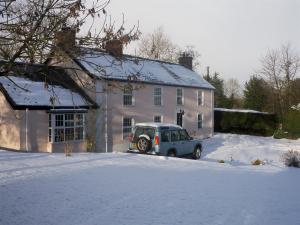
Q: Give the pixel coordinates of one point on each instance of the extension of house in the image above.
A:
(107, 92)
(42, 110)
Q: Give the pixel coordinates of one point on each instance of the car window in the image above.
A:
(175, 135)
(183, 135)
(137, 133)
(165, 136)
(150, 132)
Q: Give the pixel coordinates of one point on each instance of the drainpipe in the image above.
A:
(106, 120)
(26, 129)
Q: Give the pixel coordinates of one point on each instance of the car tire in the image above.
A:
(143, 144)
(197, 153)
(171, 153)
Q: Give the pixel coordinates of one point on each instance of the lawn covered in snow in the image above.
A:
(124, 188)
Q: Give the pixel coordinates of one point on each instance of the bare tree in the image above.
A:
(158, 45)
(280, 67)
(28, 27)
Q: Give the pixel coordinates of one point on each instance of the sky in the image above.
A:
(231, 35)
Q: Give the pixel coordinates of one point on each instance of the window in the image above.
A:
(66, 127)
(157, 119)
(175, 135)
(165, 136)
(128, 96)
(157, 96)
(184, 135)
(179, 96)
(200, 97)
(127, 127)
(200, 120)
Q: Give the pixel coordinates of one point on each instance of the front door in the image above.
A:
(179, 119)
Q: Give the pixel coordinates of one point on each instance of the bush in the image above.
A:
(291, 124)
(221, 161)
(245, 123)
(279, 134)
(291, 158)
(257, 162)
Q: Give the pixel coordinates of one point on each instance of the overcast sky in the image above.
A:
(231, 35)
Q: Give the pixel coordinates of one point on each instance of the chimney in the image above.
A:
(65, 38)
(114, 47)
(186, 60)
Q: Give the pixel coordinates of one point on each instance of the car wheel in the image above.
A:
(143, 144)
(171, 153)
(197, 153)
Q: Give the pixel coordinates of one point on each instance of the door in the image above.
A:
(179, 119)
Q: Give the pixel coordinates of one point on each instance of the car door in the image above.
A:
(185, 142)
(175, 142)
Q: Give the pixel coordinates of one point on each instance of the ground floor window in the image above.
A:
(66, 127)
(200, 120)
(157, 119)
(127, 127)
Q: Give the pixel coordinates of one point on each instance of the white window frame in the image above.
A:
(155, 95)
(202, 97)
(53, 127)
(132, 125)
(182, 96)
(130, 95)
(161, 118)
(199, 121)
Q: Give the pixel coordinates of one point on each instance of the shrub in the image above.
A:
(279, 134)
(245, 123)
(221, 161)
(291, 158)
(257, 162)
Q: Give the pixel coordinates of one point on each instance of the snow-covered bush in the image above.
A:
(291, 158)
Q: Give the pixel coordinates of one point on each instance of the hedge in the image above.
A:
(261, 124)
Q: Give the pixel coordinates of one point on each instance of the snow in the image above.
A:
(34, 93)
(106, 66)
(134, 189)
(239, 110)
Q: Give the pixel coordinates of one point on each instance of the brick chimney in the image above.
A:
(186, 60)
(114, 47)
(65, 38)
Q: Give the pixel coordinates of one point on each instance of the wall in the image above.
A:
(9, 125)
(144, 111)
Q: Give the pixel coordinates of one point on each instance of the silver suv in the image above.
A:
(164, 139)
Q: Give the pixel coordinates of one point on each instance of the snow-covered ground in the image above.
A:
(124, 188)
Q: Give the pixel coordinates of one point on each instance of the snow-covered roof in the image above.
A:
(153, 124)
(239, 110)
(26, 92)
(106, 66)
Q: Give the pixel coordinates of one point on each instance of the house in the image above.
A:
(131, 89)
(42, 110)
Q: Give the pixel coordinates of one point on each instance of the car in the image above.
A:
(164, 139)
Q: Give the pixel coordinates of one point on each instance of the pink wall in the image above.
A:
(144, 111)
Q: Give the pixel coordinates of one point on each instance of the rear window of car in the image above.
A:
(150, 131)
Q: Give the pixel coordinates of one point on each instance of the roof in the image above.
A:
(34, 93)
(36, 86)
(240, 110)
(105, 66)
(152, 124)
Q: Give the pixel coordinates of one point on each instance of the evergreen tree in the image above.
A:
(218, 83)
(255, 94)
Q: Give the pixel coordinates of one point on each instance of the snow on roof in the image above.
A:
(34, 93)
(153, 124)
(104, 65)
(240, 110)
